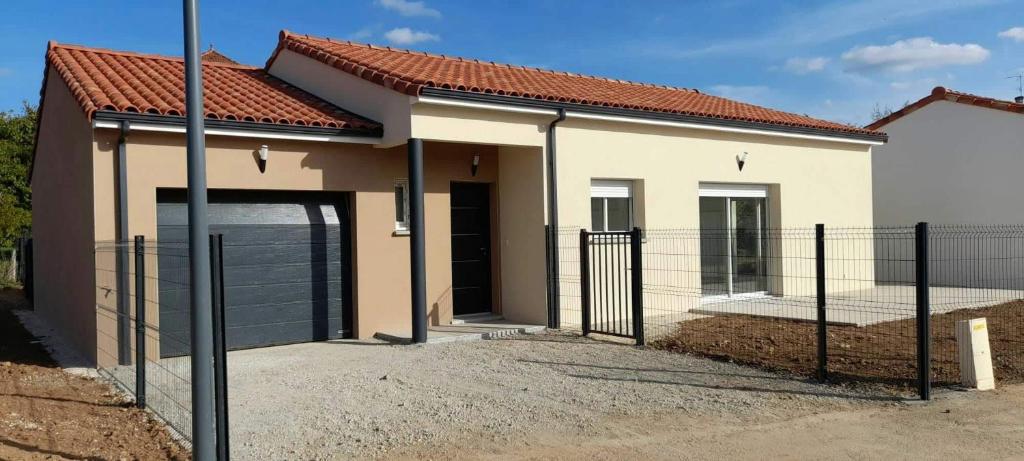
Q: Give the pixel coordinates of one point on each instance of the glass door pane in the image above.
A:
(715, 273)
(749, 245)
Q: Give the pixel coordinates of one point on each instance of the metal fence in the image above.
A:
(836, 303)
(136, 282)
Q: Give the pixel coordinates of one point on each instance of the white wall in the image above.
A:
(950, 163)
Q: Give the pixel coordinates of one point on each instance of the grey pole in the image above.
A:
(417, 243)
(203, 437)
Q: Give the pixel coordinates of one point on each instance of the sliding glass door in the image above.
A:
(733, 245)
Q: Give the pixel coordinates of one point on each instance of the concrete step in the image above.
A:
(476, 318)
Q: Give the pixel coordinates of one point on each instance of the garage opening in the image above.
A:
(287, 267)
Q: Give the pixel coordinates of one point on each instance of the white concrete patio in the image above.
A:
(882, 303)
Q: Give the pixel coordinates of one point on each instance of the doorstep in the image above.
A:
(465, 331)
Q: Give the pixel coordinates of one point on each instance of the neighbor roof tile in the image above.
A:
(106, 80)
(409, 72)
(943, 94)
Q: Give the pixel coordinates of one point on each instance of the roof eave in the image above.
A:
(176, 121)
(877, 137)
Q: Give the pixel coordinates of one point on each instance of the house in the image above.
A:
(954, 158)
(360, 141)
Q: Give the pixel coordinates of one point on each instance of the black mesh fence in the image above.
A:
(167, 379)
(797, 298)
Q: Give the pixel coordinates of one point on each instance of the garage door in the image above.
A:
(286, 267)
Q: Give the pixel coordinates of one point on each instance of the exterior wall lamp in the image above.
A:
(476, 165)
(264, 152)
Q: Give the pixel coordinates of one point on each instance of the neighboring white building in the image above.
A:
(952, 158)
(955, 159)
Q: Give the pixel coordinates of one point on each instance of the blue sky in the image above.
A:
(834, 60)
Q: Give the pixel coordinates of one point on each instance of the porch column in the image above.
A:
(417, 243)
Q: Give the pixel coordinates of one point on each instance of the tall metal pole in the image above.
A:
(417, 242)
(203, 437)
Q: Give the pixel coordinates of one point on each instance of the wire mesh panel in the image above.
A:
(977, 272)
(742, 294)
(167, 380)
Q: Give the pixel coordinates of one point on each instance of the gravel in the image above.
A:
(341, 400)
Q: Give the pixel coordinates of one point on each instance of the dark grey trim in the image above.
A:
(554, 308)
(123, 322)
(642, 114)
(417, 242)
(178, 121)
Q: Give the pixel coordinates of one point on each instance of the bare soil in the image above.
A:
(883, 352)
(46, 413)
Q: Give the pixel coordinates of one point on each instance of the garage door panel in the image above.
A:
(286, 268)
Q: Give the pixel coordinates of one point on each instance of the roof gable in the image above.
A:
(117, 81)
(410, 72)
(942, 94)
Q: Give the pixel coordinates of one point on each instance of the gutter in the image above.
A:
(554, 308)
(617, 114)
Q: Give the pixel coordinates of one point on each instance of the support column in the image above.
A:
(417, 242)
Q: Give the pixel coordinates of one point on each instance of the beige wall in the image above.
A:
(381, 258)
(521, 206)
(62, 218)
(348, 91)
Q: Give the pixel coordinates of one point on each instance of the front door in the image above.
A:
(471, 248)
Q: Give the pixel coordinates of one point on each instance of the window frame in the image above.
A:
(630, 208)
(402, 226)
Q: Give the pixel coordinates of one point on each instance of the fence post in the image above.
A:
(220, 364)
(924, 382)
(636, 259)
(585, 282)
(819, 274)
(140, 321)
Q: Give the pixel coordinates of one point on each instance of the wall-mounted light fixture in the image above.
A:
(264, 153)
(741, 160)
(476, 165)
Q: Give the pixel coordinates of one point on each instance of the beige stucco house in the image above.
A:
(324, 240)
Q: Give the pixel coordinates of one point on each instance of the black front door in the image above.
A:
(471, 248)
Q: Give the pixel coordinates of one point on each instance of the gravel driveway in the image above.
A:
(342, 400)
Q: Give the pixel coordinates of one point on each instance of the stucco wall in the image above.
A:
(954, 164)
(62, 218)
(950, 163)
(348, 91)
(521, 205)
(381, 258)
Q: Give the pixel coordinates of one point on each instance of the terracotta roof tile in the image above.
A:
(106, 80)
(942, 94)
(212, 55)
(411, 71)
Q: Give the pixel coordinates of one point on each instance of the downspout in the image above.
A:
(554, 308)
(124, 347)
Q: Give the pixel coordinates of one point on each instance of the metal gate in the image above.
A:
(611, 277)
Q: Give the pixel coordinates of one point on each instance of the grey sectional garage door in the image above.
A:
(286, 267)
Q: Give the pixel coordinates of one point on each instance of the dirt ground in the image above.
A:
(955, 425)
(880, 352)
(46, 413)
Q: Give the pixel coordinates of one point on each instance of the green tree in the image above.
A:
(17, 138)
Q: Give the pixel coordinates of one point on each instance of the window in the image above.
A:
(611, 205)
(402, 206)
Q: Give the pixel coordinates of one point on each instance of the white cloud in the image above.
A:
(912, 54)
(801, 66)
(918, 86)
(1014, 33)
(361, 34)
(407, 36)
(407, 8)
